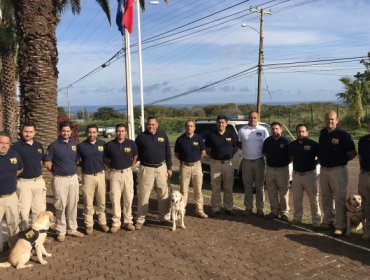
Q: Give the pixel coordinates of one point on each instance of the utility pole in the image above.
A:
(68, 103)
(260, 56)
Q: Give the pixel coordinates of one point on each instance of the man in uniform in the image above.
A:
(10, 167)
(304, 151)
(275, 149)
(61, 159)
(364, 180)
(121, 156)
(189, 149)
(221, 145)
(91, 155)
(336, 149)
(31, 188)
(251, 138)
(155, 168)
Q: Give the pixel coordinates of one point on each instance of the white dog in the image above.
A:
(355, 215)
(31, 238)
(177, 209)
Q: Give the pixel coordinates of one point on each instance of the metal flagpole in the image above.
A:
(130, 108)
(140, 65)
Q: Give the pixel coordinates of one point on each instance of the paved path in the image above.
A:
(222, 248)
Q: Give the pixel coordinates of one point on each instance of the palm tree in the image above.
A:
(354, 95)
(8, 43)
(38, 58)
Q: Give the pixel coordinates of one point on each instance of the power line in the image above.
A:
(201, 88)
(244, 72)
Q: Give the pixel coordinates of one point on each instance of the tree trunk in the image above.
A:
(8, 90)
(38, 57)
(1, 106)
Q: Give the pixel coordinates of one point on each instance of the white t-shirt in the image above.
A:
(252, 141)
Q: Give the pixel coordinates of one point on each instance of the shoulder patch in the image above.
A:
(73, 148)
(13, 160)
(160, 139)
(100, 148)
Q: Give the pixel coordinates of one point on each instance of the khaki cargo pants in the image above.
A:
(32, 197)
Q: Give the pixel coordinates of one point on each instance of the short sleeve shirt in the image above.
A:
(276, 151)
(154, 148)
(64, 156)
(120, 155)
(189, 148)
(364, 152)
(91, 156)
(32, 156)
(304, 154)
(252, 139)
(334, 146)
(9, 165)
(221, 145)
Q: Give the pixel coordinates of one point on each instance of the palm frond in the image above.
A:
(104, 4)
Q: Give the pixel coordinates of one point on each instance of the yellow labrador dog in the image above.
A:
(355, 215)
(28, 239)
(177, 209)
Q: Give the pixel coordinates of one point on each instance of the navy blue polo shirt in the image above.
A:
(189, 149)
(63, 156)
(221, 146)
(154, 148)
(364, 152)
(9, 165)
(276, 151)
(32, 156)
(91, 156)
(304, 154)
(120, 155)
(333, 147)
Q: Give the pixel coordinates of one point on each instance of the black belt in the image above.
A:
(223, 161)
(303, 173)
(32, 179)
(5, 195)
(154, 165)
(95, 174)
(189, 163)
(253, 160)
(120, 170)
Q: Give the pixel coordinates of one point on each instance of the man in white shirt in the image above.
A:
(251, 138)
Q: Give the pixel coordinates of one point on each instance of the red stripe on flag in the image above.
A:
(128, 15)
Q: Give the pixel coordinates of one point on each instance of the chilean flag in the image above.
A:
(125, 14)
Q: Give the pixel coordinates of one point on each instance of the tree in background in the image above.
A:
(8, 77)
(37, 60)
(356, 92)
(107, 113)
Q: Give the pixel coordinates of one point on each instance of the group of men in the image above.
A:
(23, 190)
(265, 162)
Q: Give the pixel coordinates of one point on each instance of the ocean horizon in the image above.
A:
(122, 108)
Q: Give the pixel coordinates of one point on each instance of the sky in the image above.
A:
(197, 52)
